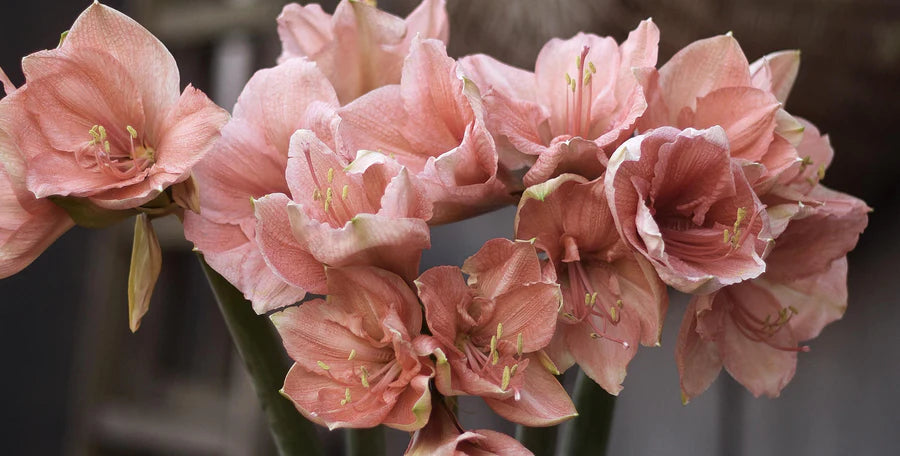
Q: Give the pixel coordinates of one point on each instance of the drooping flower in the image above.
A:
(363, 213)
(27, 225)
(612, 298)
(360, 47)
(443, 436)
(486, 333)
(355, 365)
(436, 130)
(249, 161)
(101, 127)
(754, 328)
(710, 82)
(678, 198)
(580, 103)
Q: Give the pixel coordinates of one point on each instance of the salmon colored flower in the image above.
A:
(359, 48)
(249, 161)
(485, 333)
(580, 103)
(754, 328)
(710, 83)
(27, 225)
(436, 131)
(355, 365)
(105, 122)
(678, 199)
(340, 214)
(443, 436)
(612, 298)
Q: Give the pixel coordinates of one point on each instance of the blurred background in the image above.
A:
(75, 381)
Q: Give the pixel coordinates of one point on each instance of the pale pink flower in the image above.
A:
(339, 214)
(432, 123)
(612, 297)
(360, 47)
(678, 199)
(27, 225)
(754, 328)
(355, 363)
(105, 121)
(443, 436)
(710, 82)
(485, 333)
(249, 161)
(580, 103)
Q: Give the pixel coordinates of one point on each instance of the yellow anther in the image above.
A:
(568, 80)
(572, 85)
(578, 61)
(805, 161)
(569, 316)
(323, 365)
(345, 192)
(520, 344)
(329, 195)
(106, 146)
(593, 298)
(131, 131)
(317, 195)
(512, 372)
(330, 175)
(793, 310)
(741, 213)
(619, 303)
(592, 67)
(821, 173)
(505, 381)
(95, 135)
(727, 236)
(364, 376)
(587, 299)
(614, 314)
(102, 132)
(346, 400)
(499, 330)
(595, 336)
(587, 78)
(495, 357)
(352, 354)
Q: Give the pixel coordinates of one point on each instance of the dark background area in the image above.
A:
(65, 346)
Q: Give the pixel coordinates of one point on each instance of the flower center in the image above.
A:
(579, 95)
(486, 360)
(113, 155)
(763, 329)
(699, 244)
(334, 202)
(581, 306)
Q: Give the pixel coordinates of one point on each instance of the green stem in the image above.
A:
(364, 442)
(263, 355)
(540, 440)
(589, 432)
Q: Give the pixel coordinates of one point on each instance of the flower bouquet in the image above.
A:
(311, 204)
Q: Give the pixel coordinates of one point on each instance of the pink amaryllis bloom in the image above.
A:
(360, 47)
(580, 103)
(105, 122)
(710, 82)
(366, 212)
(443, 436)
(249, 161)
(612, 297)
(355, 365)
(485, 333)
(678, 198)
(436, 131)
(754, 328)
(27, 225)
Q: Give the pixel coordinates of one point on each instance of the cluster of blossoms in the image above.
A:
(334, 163)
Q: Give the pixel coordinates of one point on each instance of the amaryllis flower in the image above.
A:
(580, 103)
(443, 436)
(710, 82)
(436, 130)
(249, 161)
(754, 328)
(27, 225)
(678, 199)
(612, 297)
(339, 214)
(485, 333)
(105, 122)
(359, 48)
(355, 363)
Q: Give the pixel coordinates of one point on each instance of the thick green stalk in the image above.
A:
(589, 432)
(364, 442)
(540, 440)
(263, 356)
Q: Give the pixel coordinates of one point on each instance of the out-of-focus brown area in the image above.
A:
(75, 381)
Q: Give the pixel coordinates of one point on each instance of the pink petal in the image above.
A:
(8, 86)
(494, 76)
(700, 68)
(746, 114)
(501, 265)
(304, 30)
(529, 310)
(362, 126)
(443, 293)
(428, 20)
(697, 358)
(776, 73)
(369, 292)
(542, 402)
(639, 50)
(413, 407)
(282, 252)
